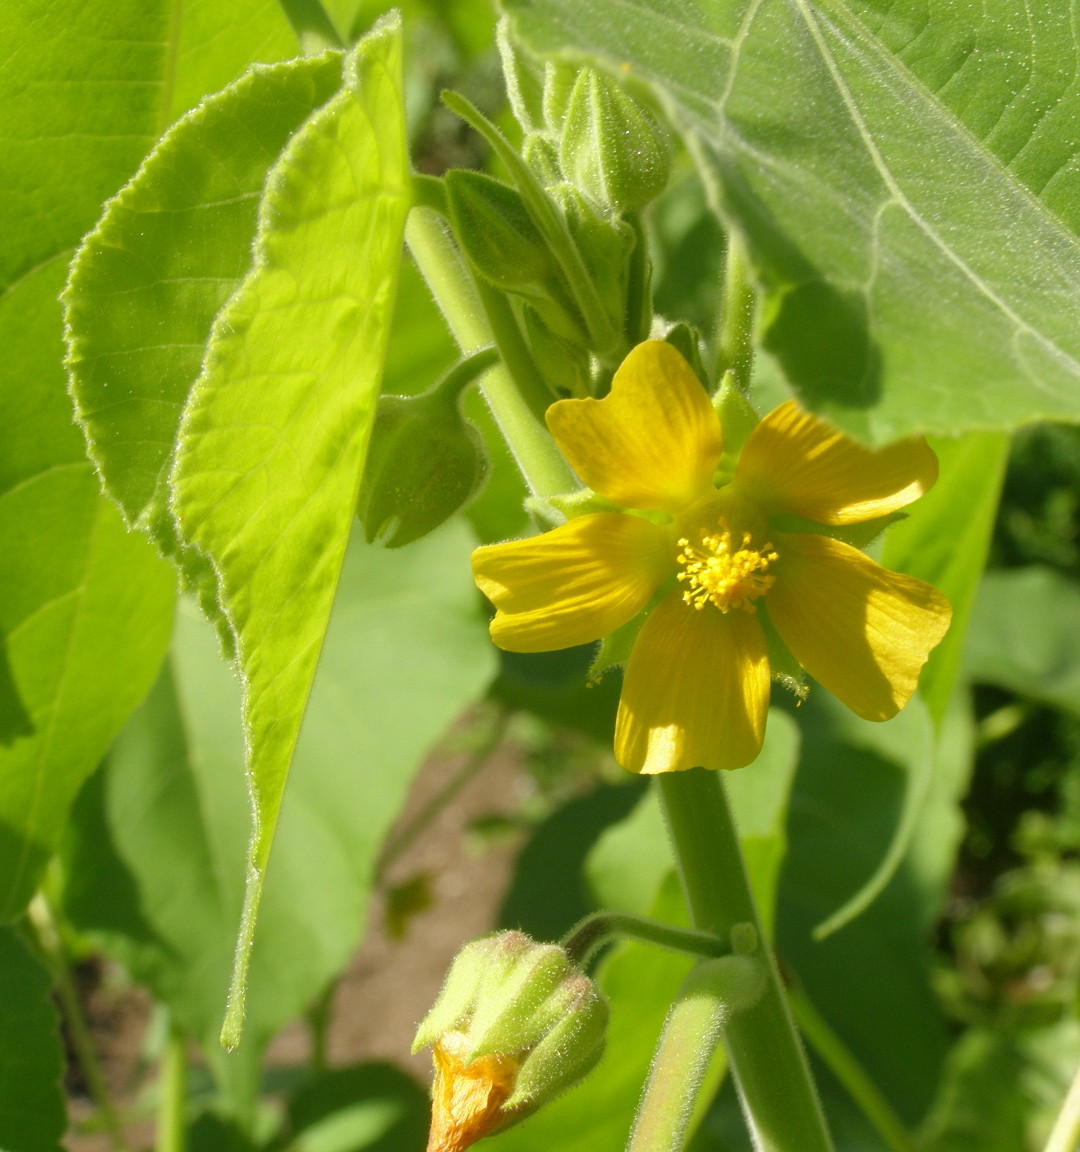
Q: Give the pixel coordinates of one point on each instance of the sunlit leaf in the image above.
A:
(1025, 636)
(32, 1111)
(903, 176)
(272, 441)
(168, 253)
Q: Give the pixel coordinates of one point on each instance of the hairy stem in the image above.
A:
(771, 1072)
(52, 950)
(583, 940)
(172, 1094)
(735, 346)
(713, 992)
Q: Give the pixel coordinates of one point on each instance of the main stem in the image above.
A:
(767, 1059)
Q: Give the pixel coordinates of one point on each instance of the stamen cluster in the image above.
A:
(727, 578)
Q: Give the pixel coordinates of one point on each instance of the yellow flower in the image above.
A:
(716, 562)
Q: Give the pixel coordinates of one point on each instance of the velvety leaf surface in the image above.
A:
(404, 655)
(272, 441)
(33, 1115)
(168, 253)
(903, 175)
(1025, 636)
(85, 607)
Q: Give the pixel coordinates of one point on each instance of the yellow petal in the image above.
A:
(653, 442)
(794, 462)
(574, 584)
(860, 630)
(467, 1099)
(696, 691)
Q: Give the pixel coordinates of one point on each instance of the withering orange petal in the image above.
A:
(860, 630)
(696, 690)
(466, 1099)
(573, 584)
(653, 442)
(794, 462)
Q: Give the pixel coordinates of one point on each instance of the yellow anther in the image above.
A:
(729, 577)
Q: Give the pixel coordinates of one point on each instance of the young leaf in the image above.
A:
(908, 201)
(32, 1112)
(272, 441)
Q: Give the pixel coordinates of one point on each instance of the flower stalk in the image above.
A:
(766, 1056)
(589, 935)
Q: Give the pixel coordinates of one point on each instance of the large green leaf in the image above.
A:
(404, 655)
(272, 440)
(168, 253)
(903, 176)
(85, 609)
(32, 1111)
(1025, 636)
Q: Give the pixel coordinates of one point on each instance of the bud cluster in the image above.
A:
(516, 1023)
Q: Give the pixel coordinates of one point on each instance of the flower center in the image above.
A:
(729, 576)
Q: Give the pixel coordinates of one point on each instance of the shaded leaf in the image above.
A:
(902, 175)
(1025, 636)
(86, 608)
(403, 656)
(272, 441)
(33, 1115)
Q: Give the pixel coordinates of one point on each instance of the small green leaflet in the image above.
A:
(902, 175)
(272, 441)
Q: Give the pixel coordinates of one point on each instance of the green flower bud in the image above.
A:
(611, 148)
(515, 1024)
(559, 79)
(494, 227)
(564, 365)
(424, 462)
(605, 243)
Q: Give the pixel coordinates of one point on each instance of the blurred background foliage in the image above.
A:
(956, 991)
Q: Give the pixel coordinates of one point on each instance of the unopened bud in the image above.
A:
(424, 462)
(515, 1024)
(495, 229)
(611, 148)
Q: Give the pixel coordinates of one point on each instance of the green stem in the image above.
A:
(52, 949)
(313, 27)
(735, 346)
(1066, 1134)
(583, 940)
(832, 1050)
(318, 1016)
(514, 351)
(711, 995)
(545, 471)
(172, 1094)
(771, 1072)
